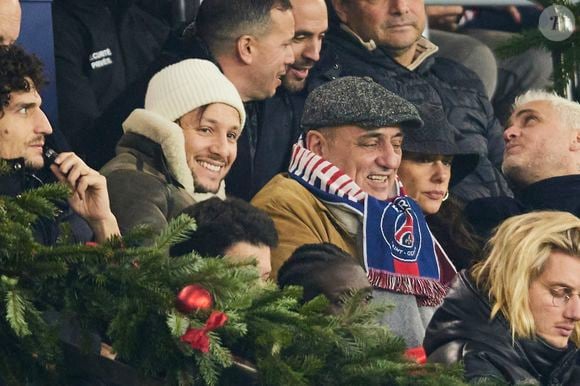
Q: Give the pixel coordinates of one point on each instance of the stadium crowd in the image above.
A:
(334, 143)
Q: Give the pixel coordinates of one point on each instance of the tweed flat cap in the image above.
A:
(357, 101)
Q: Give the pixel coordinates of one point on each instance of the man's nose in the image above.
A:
(42, 124)
(219, 146)
(572, 311)
(312, 50)
(289, 58)
(399, 6)
(510, 133)
(389, 158)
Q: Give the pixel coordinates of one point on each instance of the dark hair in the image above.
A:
(221, 22)
(15, 66)
(309, 257)
(455, 234)
(222, 223)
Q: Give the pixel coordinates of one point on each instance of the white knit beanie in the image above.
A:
(183, 87)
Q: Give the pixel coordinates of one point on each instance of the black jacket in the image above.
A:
(556, 193)
(101, 47)
(272, 127)
(436, 82)
(460, 330)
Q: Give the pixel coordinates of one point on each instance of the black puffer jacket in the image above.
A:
(460, 330)
(437, 82)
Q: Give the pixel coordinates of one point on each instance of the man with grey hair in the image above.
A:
(342, 188)
(383, 39)
(541, 161)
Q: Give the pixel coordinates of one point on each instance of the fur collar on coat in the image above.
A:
(169, 136)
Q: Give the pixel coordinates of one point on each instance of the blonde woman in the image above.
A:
(515, 317)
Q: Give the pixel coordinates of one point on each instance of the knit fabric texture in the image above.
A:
(357, 101)
(184, 86)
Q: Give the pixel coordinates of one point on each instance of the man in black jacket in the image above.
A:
(273, 125)
(23, 128)
(101, 48)
(541, 161)
(382, 39)
(514, 318)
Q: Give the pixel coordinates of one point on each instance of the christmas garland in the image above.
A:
(174, 320)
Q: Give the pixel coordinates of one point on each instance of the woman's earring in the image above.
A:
(446, 196)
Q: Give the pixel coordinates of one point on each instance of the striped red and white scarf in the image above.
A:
(400, 253)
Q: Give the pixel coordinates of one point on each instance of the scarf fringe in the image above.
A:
(428, 292)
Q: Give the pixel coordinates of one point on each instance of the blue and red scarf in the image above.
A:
(400, 253)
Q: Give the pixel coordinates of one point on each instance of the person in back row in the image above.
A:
(382, 39)
(10, 14)
(273, 124)
(177, 150)
(541, 161)
(100, 48)
(342, 188)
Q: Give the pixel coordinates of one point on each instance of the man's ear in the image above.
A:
(340, 10)
(246, 48)
(575, 145)
(316, 142)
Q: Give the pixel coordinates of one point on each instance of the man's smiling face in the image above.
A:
(311, 23)
(211, 144)
(369, 156)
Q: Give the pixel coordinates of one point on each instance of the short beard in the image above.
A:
(293, 87)
(199, 188)
(33, 165)
(517, 177)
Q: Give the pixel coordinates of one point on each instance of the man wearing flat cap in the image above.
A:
(342, 188)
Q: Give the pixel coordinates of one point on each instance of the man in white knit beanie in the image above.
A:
(178, 149)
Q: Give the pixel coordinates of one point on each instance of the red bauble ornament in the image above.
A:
(193, 298)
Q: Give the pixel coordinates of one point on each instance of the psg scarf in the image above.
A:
(400, 253)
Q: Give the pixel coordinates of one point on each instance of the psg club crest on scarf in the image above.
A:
(405, 234)
(406, 246)
(400, 253)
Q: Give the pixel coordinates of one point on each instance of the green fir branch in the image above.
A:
(15, 311)
(178, 230)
